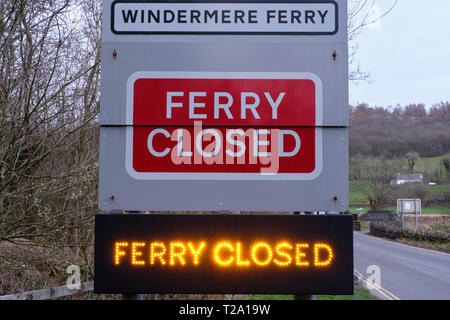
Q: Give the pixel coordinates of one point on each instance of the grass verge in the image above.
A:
(443, 247)
(360, 294)
(425, 210)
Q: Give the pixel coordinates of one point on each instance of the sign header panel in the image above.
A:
(228, 17)
(221, 254)
(225, 98)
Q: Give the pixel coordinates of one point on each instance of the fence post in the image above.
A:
(403, 215)
(415, 211)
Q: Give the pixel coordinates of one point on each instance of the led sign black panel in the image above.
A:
(187, 253)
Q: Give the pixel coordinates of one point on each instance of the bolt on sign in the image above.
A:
(224, 105)
(220, 254)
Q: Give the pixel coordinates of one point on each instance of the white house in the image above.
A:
(409, 178)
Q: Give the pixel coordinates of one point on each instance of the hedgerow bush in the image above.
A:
(391, 231)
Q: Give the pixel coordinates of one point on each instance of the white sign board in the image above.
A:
(278, 18)
(409, 206)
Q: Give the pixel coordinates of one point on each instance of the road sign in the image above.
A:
(221, 254)
(247, 115)
(291, 17)
(308, 18)
(409, 206)
(242, 107)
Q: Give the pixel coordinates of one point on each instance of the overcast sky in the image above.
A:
(407, 55)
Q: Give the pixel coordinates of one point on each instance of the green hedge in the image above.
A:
(390, 231)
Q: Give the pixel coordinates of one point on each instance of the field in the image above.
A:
(359, 204)
(357, 201)
(429, 164)
(430, 210)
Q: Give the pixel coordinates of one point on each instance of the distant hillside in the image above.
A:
(393, 132)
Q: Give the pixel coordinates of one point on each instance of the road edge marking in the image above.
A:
(402, 244)
(370, 286)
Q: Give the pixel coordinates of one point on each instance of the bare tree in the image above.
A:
(412, 158)
(446, 163)
(360, 16)
(49, 89)
(378, 175)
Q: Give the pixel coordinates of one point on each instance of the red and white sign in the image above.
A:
(224, 126)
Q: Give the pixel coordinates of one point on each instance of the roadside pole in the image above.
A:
(403, 215)
(415, 212)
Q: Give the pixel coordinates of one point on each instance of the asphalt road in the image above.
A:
(406, 272)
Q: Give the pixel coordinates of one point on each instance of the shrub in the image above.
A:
(411, 191)
(421, 191)
(396, 232)
(428, 202)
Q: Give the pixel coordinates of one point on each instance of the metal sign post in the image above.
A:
(403, 216)
(415, 213)
(409, 206)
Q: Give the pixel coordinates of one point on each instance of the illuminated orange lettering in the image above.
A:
(225, 253)
(135, 253)
(286, 256)
(299, 254)
(157, 250)
(197, 252)
(117, 252)
(269, 254)
(317, 261)
(239, 260)
(217, 256)
(177, 250)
